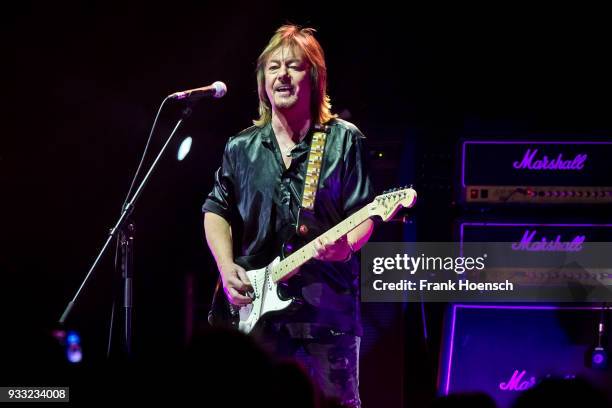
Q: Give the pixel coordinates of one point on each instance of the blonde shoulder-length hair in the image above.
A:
(304, 40)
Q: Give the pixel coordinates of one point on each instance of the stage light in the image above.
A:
(599, 358)
(184, 148)
(73, 347)
(74, 354)
(73, 337)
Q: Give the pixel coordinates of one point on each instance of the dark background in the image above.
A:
(84, 84)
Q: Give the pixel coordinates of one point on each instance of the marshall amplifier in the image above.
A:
(503, 350)
(536, 172)
(529, 236)
(538, 252)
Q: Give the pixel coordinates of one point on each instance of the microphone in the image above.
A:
(216, 90)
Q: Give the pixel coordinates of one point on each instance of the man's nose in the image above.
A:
(284, 72)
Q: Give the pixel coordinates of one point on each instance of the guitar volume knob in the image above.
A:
(303, 230)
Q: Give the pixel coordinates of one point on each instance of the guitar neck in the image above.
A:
(288, 266)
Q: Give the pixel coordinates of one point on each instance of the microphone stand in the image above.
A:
(126, 240)
(126, 234)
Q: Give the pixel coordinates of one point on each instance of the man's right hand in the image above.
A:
(235, 284)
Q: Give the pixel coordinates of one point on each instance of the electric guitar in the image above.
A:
(266, 281)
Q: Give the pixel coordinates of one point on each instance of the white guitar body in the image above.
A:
(265, 298)
(265, 280)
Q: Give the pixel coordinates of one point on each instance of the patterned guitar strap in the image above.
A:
(313, 171)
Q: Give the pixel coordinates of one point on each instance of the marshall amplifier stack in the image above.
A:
(535, 172)
(538, 196)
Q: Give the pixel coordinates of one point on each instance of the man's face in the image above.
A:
(287, 79)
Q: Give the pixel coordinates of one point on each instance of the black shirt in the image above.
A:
(259, 197)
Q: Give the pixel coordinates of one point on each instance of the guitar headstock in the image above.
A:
(390, 202)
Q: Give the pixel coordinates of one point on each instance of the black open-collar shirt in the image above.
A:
(259, 196)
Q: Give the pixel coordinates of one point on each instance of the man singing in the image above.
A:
(257, 194)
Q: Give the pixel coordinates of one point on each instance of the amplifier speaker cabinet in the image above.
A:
(502, 350)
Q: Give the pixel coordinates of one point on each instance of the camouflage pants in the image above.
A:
(332, 361)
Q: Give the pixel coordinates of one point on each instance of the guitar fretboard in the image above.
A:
(288, 266)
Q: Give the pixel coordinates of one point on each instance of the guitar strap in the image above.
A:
(313, 172)
(219, 313)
